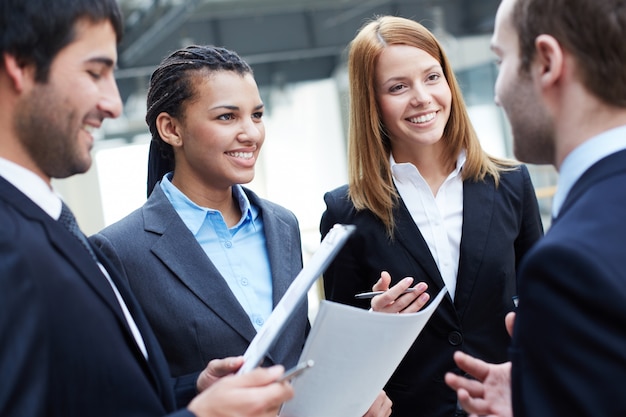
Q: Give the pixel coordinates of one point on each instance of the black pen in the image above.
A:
(373, 294)
(296, 370)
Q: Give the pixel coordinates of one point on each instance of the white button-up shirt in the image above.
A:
(438, 217)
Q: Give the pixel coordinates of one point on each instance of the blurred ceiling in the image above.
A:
(285, 41)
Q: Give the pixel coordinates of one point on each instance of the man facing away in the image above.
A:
(73, 340)
(562, 85)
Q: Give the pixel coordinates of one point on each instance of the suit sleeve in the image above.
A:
(569, 342)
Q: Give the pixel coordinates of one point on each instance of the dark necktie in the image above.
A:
(68, 220)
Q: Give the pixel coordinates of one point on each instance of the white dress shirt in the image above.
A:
(438, 217)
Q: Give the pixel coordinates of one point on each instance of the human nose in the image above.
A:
(252, 130)
(111, 101)
(420, 95)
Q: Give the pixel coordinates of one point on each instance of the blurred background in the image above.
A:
(297, 49)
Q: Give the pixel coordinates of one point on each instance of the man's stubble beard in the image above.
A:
(48, 130)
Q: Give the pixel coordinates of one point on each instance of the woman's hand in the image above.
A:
(395, 299)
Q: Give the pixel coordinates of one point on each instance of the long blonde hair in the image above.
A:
(370, 180)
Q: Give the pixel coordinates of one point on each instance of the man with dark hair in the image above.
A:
(74, 341)
(563, 86)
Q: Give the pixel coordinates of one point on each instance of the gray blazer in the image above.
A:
(192, 310)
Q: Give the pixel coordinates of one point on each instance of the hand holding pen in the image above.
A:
(401, 298)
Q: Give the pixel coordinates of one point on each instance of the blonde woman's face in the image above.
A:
(413, 96)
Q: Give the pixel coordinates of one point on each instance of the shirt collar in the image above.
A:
(32, 186)
(194, 215)
(402, 171)
(582, 158)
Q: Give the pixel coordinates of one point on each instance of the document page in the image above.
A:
(297, 291)
(355, 352)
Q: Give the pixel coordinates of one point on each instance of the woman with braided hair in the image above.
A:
(207, 258)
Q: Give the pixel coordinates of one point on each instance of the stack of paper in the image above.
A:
(355, 353)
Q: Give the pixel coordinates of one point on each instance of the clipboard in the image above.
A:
(295, 294)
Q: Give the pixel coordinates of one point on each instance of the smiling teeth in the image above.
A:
(422, 119)
(89, 128)
(243, 155)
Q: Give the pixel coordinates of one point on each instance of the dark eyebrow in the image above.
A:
(103, 60)
(234, 108)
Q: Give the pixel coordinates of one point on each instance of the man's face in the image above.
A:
(519, 95)
(54, 121)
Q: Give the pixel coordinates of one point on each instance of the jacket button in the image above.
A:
(455, 338)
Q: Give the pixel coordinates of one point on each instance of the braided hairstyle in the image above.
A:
(171, 86)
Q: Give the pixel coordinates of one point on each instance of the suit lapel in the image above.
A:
(72, 250)
(178, 249)
(478, 201)
(66, 244)
(409, 236)
(77, 256)
(281, 244)
(605, 167)
(158, 370)
(284, 248)
(478, 207)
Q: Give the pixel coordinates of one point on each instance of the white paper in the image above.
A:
(355, 352)
(295, 294)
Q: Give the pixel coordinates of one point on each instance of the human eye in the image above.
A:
(257, 115)
(433, 77)
(226, 116)
(94, 75)
(99, 68)
(396, 88)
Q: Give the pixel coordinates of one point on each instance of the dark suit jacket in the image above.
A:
(499, 226)
(569, 342)
(66, 348)
(192, 310)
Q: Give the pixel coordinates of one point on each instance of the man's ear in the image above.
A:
(21, 75)
(549, 60)
(168, 129)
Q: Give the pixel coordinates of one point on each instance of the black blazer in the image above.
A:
(499, 226)
(66, 348)
(192, 310)
(569, 342)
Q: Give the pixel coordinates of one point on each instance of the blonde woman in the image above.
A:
(429, 204)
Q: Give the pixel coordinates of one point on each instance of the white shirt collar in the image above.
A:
(401, 174)
(32, 186)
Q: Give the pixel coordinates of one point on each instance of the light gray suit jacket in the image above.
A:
(192, 310)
